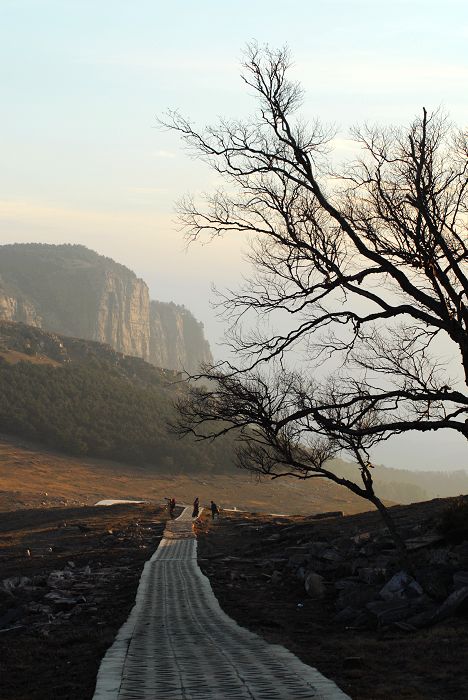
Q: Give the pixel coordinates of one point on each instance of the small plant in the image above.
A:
(454, 521)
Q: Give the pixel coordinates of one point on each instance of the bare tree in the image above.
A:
(368, 263)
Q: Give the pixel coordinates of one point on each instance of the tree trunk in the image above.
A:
(400, 545)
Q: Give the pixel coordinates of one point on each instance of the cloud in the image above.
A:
(164, 154)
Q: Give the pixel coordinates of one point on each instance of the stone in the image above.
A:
(353, 662)
(276, 577)
(300, 573)
(63, 600)
(332, 555)
(423, 541)
(361, 537)
(57, 578)
(371, 574)
(314, 585)
(460, 579)
(387, 611)
(356, 596)
(12, 583)
(401, 585)
(439, 556)
(455, 600)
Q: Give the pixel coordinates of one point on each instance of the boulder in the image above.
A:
(11, 584)
(455, 600)
(397, 609)
(388, 611)
(372, 574)
(460, 579)
(332, 555)
(276, 577)
(402, 586)
(314, 585)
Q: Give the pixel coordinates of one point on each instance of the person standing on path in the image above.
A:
(172, 505)
(214, 510)
(196, 507)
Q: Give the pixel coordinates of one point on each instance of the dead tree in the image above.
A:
(368, 263)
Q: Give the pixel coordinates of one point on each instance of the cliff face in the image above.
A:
(73, 291)
(177, 339)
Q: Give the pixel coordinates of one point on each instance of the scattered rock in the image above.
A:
(372, 575)
(387, 611)
(314, 585)
(460, 579)
(353, 662)
(14, 582)
(401, 585)
(456, 600)
(424, 541)
(361, 537)
(276, 577)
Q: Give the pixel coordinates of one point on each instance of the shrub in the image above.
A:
(454, 521)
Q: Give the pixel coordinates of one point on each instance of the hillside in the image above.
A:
(85, 398)
(71, 290)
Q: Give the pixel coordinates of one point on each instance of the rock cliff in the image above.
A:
(176, 338)
(71, 290)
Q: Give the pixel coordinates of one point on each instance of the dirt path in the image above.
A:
(179, 644)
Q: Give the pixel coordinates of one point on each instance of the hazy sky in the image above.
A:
(83, 81)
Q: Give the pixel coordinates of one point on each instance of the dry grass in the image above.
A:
(31, 476)
(14, 356)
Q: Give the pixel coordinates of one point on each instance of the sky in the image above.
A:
(83, 82)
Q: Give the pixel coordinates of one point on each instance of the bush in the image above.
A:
(454, 521)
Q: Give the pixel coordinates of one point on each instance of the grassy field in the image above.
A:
(34, 477)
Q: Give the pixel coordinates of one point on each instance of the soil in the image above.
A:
(368, 664)
(48, 525)
(103, 550)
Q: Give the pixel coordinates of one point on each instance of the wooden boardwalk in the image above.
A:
(178, 644)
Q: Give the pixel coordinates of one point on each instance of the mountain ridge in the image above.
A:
(72, 290)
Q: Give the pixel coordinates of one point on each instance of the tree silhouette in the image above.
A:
(368, 263)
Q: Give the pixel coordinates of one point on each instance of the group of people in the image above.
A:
(171, 503)
(196, 509)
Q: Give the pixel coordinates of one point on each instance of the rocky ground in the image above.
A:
(330, 589)
(68, 578)
(333, 591)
